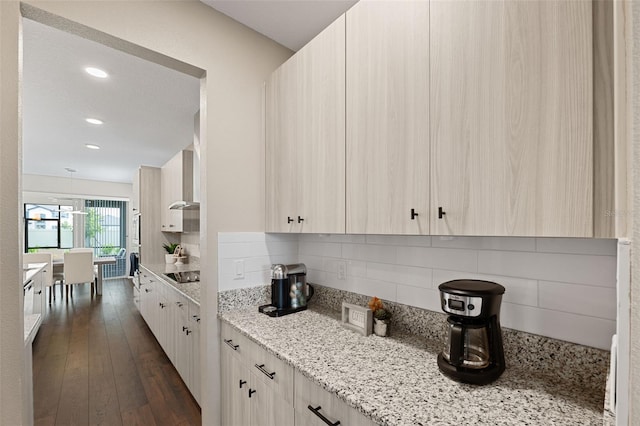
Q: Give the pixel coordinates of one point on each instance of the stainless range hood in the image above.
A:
(184, 205)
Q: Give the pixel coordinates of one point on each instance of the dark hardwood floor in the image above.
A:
(95, 362)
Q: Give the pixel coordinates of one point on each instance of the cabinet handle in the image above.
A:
(251, 392)
(188, 332)
(242, 382)
(265, 372)
(147, 290)
(300, 220)
(413, 214)
(39, 292)
(170, 226)
(180, 304)
(316, 411)
(441, 213)
(231, 345)
(197, 318)
(289, 220)
(184, 328)
(162, 305)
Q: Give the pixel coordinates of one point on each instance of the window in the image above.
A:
(105, 226)
(48, 226)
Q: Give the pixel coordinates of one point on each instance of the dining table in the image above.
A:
(58, 267)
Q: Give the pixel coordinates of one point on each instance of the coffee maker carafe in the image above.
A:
(473, 351)
(289, 290)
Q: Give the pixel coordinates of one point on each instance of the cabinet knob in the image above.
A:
(289, 219)
(413, 214)
(300, 220)
(251, 392)
(441, 213)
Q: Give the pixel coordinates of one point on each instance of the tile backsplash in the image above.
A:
(564, 288)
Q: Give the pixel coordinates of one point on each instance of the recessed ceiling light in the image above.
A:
(91, 146)
(93, 121)
(96, 72)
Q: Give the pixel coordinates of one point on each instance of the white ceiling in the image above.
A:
(292, 23)
(147, 109)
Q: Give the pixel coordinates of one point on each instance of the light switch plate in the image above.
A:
(238, 266)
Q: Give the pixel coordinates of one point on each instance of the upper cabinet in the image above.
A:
(305, 182)
(177, 185)
(511, 112)
(455, 117)
(387, 111)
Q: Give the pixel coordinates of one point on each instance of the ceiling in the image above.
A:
(147, 109)
(292, 23)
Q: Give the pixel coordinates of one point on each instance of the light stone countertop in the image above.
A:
(29, 270)
(396, 381)
(31, 326)
(190, 290)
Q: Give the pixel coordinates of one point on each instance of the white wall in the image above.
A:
(37, 188)
(558, 287)
(233, 62)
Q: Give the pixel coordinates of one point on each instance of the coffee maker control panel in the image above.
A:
(461, 305)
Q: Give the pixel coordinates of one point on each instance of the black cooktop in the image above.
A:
(184, 277)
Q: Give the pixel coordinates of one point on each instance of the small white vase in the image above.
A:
(381, 327)
(169, 258)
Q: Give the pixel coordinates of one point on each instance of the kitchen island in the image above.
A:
(396, 381)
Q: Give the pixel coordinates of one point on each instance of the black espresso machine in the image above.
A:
(473, 351)
(289, 290)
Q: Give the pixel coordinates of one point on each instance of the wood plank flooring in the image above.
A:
(95, 362)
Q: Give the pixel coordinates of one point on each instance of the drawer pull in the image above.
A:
(231, 345)
(316, 411)
(242, 382)
(251, 392)
(265, 372)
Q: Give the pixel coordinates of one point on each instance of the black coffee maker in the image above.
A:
(289, 290)
(473, 351)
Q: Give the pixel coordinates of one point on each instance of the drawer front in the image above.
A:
(275, 373)
(316, 406)
(233, 341)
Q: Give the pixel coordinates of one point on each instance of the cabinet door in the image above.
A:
(268, 408)
(387, 172)
(172, 180)
(194, 360)
(511, 118)
(148, 305)
(234, 390)
(305, 138)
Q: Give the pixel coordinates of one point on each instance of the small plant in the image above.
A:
(379, 311)
(170, 247)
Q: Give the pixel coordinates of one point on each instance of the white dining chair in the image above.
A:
(49, 280)
(78, 269)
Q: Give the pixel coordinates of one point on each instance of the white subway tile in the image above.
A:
(399, 274)
(316, 276)
(331, 280)
(356, 268)
(372, 253)
(241, 250)
(400, 240)
(241, 237)
(589, 331)
(275, 248)
(251, 264)
(569, 268)
(517, 290)
(593, 246)
(579, 299)
(424, 298)
(251, 279)
(509, 243)
(320, 249)
(333, 238)
(312, 262)
(439, 258)
(473, 243)
(381, 289)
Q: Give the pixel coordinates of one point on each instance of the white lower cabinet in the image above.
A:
(174, 320)
(258, 388)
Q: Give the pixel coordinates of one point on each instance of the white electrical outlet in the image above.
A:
(342, 270)
(239, 270)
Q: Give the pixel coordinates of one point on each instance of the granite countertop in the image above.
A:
(190, 290)
(396, 380)
(31, 326)
(29, 270)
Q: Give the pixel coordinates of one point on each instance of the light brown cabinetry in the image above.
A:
(511, 109)
(146, 185)
(305, 138)
(314, 405)
(257, 388)
(387, 110)
(177, 185)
